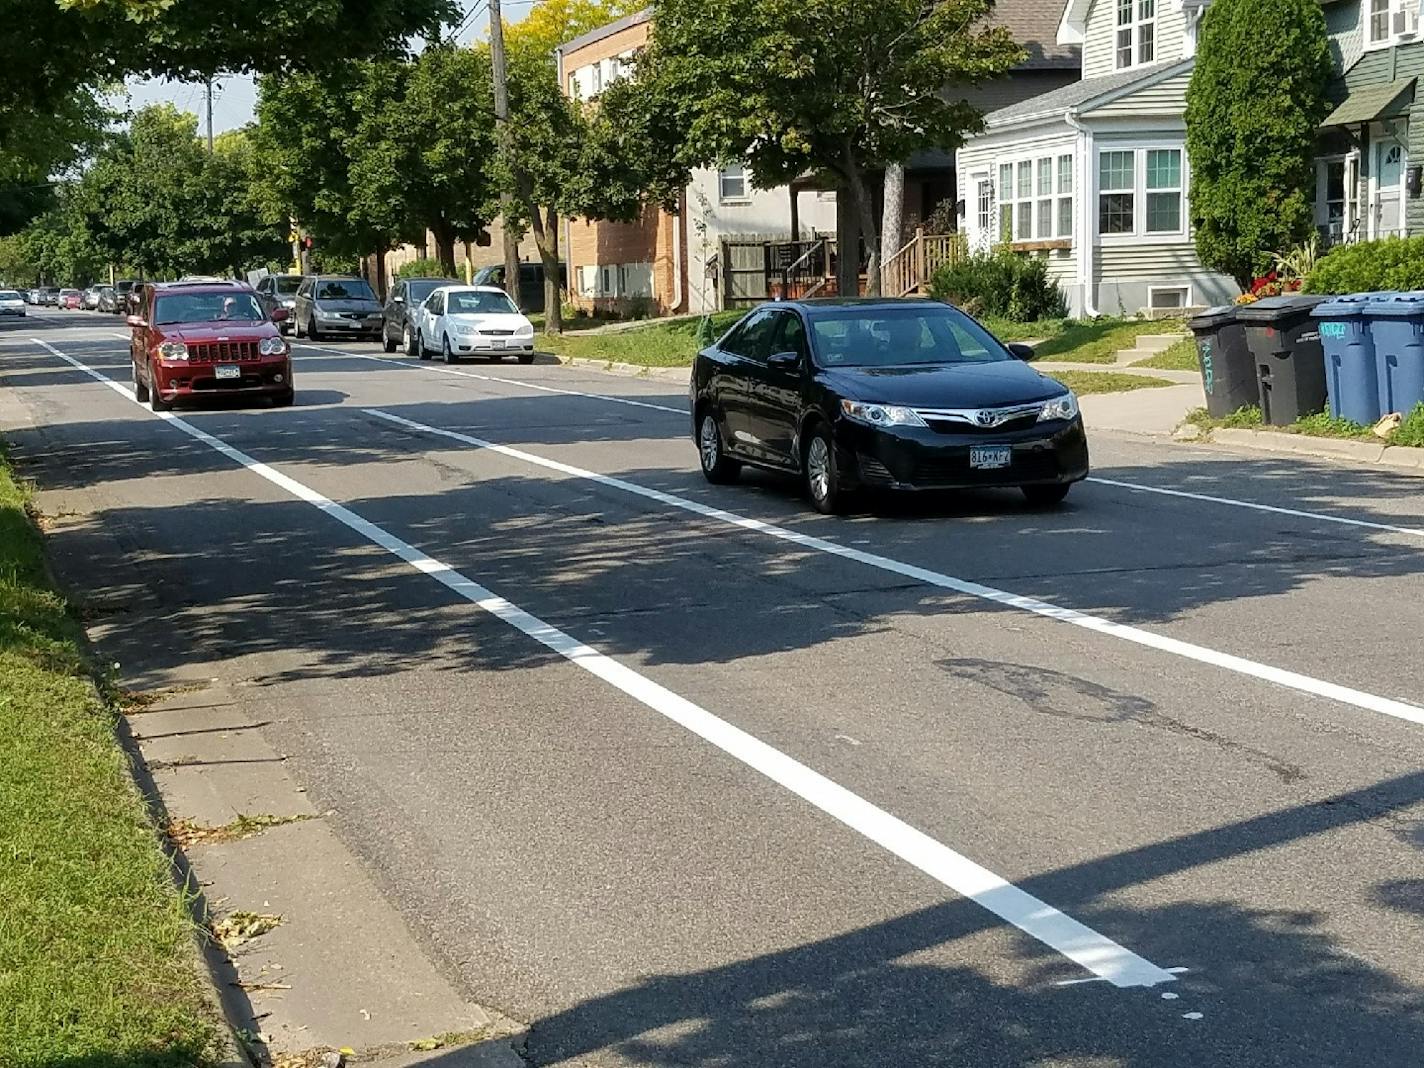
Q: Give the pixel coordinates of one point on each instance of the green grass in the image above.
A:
(654, 344)
(1411, 431)
(1085, 383)
(1097, 340)
(1180, 357)
(96, 956)
(1037, 330)
(1320, 425)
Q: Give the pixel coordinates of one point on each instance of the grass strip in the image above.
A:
(656, 344)
(1086, 383)
(96, 955)
(1410, 431)
(1182, 356)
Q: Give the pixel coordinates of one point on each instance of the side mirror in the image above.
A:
(1020, 350)
(136, 322)
(784, 361)
(280, 315)
(398, 299)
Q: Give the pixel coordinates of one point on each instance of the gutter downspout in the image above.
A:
(1084, 223)
(677, 254)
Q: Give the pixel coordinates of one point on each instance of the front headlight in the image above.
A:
(272, 346)
(1061, 407)
(527, 330)
(321, 313)
(173, 350)
(466, 330)
(880, 414)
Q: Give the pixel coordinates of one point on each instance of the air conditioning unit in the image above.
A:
(1406, 22)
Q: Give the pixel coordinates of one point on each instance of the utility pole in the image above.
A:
(210, 116)
(501, 124)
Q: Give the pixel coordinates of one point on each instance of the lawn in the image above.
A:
(1085, 383)
(1320, 425)
(1082, 340)
(654, 344)
(1180, 357)
(96, 955)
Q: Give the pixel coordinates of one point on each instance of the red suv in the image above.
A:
(197, 339)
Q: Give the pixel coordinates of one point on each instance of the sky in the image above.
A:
(234, 97)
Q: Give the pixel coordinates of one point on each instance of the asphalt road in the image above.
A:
(689, 775)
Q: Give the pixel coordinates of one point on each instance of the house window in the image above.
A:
(588, 281)
(1136, 32)
(985, 205)
(1036, 199)
(1116, 173)
(1390, 21)
(732, 184)
(1165, 298)
(1164, 190)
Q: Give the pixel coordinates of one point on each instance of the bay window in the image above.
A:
(1036, 199)
(1141, 191)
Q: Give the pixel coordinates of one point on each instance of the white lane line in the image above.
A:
(1304, 683)
(1079, 943)
(1417, 532)
(412, 365)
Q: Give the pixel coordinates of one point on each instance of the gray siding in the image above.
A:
(1124, 273)
(1342, 23)
(1378, 67)
(1100, 35)
(1167, 97)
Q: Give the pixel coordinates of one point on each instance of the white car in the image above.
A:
(459, 321)
(11, 303)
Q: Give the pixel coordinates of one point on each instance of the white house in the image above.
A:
(1094, 175)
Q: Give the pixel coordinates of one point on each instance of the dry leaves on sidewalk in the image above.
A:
(238, 927)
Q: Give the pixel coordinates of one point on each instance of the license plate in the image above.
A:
(497, 343)
(227, 371)
(990, 456)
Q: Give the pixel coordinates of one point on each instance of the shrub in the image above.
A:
(420, 269)
(1411, 431)
(1000, 283)
(1392, 263)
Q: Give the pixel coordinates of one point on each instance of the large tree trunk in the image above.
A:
(546, 237)
(444, 235)
(865, 209)
(381, 270)
(893, 216)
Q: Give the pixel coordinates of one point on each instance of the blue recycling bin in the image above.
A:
(1346, 337)
(1397, 325)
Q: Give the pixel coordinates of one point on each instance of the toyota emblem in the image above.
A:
(984, 418)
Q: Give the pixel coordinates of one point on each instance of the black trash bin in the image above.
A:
(1290, 366)
(1227, 368)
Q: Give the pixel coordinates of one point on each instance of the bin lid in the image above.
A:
(1212, 318)
(1286, 307)
(1399, 306)
(1349, 305)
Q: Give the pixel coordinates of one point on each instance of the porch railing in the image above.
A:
(909, 270)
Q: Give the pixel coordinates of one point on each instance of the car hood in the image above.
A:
(190, 333)
(953, 385)
(495, 321)
(359, 305)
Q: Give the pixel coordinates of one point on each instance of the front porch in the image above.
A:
(1366, 186)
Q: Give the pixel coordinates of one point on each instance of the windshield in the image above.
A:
(904, 336)
(207, 308)
(344, 289)
(9, 294)
(287, 284)
(468, 303)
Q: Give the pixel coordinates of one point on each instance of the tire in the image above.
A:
(387, 344)
(140, 388)
(284, 400)
(717, 467)
(409, 341)
(526, 357)
(496, 357)
(446, 352)
(821, 473)
(155, 402)
(1046, 496)
(297, 328)
(312, 334)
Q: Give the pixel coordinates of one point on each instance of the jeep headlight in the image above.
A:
(272, 346)
(173, 350)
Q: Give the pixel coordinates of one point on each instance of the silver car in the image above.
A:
(11, 304)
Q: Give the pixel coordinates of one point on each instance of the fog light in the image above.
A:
(276, 378)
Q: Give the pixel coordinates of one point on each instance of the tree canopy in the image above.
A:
(1254, 105)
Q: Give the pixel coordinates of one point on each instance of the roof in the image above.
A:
(1373, 102)
(1034, 24)
(1081, 95)
(616, 26)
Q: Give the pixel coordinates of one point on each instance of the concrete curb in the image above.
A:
(634, 370)
(1398, 457)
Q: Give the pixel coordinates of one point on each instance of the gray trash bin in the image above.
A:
(1227, 368)
(1290, 364)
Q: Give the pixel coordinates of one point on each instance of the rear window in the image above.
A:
(479, 304)
(344, 289)
(902, 336)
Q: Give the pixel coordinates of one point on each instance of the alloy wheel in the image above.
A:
(818, 468)
(709, 443)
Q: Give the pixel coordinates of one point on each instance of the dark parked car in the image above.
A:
(531, 283)
(200, 339)
(280, 291)
(901, 394)
(336, 304)
(124, 291)
(398, 318)
(108, 300)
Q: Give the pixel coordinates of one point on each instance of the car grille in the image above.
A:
(947, 426)
(1026, 467)
(497, 333)
(223, 351)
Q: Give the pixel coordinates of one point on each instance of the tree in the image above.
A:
(837, 87)
(1254, 105)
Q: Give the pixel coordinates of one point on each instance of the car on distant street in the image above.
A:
(122, 290)
(329, 305)
(48, 296)
(70, 299)
(32, 296)
(399, 315)
(531, 282)
(108, 301)
(12, 304)
(852, 393)
(203, 339)
(459, 321)
(280, 291)
(91, 298)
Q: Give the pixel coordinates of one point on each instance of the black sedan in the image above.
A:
(899, 394)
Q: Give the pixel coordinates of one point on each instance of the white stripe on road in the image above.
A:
(1415, 531)
(413, 365)
(1304, 683)
(1093, 951)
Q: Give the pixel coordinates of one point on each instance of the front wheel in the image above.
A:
(155, 400)
(312, 331)
(717, 467)
(526, 357)
(822, 474)
(446, 352)
(1046, 496)
(387, 344)
(140, 388)
(284, 400)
